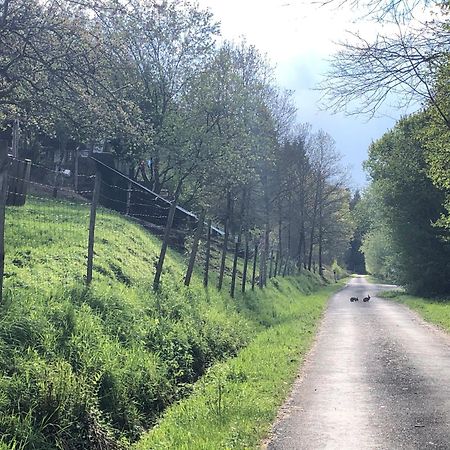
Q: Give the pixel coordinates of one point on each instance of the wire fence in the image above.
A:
(48, 219)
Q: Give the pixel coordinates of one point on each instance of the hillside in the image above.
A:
(94, 368)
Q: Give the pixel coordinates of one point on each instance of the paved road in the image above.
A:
(378, 377)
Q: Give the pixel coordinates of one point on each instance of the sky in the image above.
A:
(299, 36)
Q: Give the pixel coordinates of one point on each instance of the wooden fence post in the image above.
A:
(233, 274)
(254, 267)
(93, 216)
(277, 257)
(76, 169)
(224, 255)
(4, 164)
(244, 272)
(15, 139)
(197, 235)
(271, 264)
(208, 255)
(127, 211)
(22, 181)
(165, 243)
(27, 178)
(285, 266)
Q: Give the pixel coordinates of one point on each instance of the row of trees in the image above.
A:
(400, 212)
(403, 219)
(148, 81)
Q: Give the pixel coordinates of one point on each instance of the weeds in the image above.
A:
(93, 368)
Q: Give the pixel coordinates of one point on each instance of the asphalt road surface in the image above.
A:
(378, 377)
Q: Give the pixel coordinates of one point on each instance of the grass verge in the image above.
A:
(436, 311)
(94, 368)
(234, 405)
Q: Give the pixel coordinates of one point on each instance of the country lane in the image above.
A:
(378, 377)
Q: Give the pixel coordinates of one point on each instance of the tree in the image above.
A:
(354, 258)
(436, 139)
(164, 46)
(407, 206)
(401, 68)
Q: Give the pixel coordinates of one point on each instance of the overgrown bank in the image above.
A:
(234, 405)
(433, 310)
(94, 368)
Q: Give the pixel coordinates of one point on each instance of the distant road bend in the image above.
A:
(378, 377)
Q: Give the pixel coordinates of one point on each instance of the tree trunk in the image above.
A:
(156, 177)
(266, 251)
(255, 257)
(313, 225)
(76, 168)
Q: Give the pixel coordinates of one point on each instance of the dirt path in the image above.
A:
(377, 378)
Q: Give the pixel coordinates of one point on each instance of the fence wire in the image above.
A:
(47, 227)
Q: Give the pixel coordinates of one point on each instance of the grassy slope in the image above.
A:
(234, 405)
(92, 368)
(436, 311)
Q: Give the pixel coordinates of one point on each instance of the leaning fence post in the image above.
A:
(233, 274)
(197, 235)
(165, 243)
(208, 255)
(4, 163)
(95, 198)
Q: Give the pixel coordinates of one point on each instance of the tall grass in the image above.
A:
(93, 368)
(234, 405)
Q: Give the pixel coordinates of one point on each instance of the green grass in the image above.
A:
(234, 405)
(436, 311)
(95, 367)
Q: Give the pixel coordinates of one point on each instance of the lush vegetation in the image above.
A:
(94, 367)
(436, 311)
(183, 113)
(237, 401)
(403, 220)
(196, 119)
(404, 241)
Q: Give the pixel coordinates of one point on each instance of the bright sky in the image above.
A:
(298, 37)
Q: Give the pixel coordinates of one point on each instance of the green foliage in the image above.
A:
(234, 405)
(379, 254)
(402, 205)
(354, 258)
(436, 139)
(94, 367)
(338, 270)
